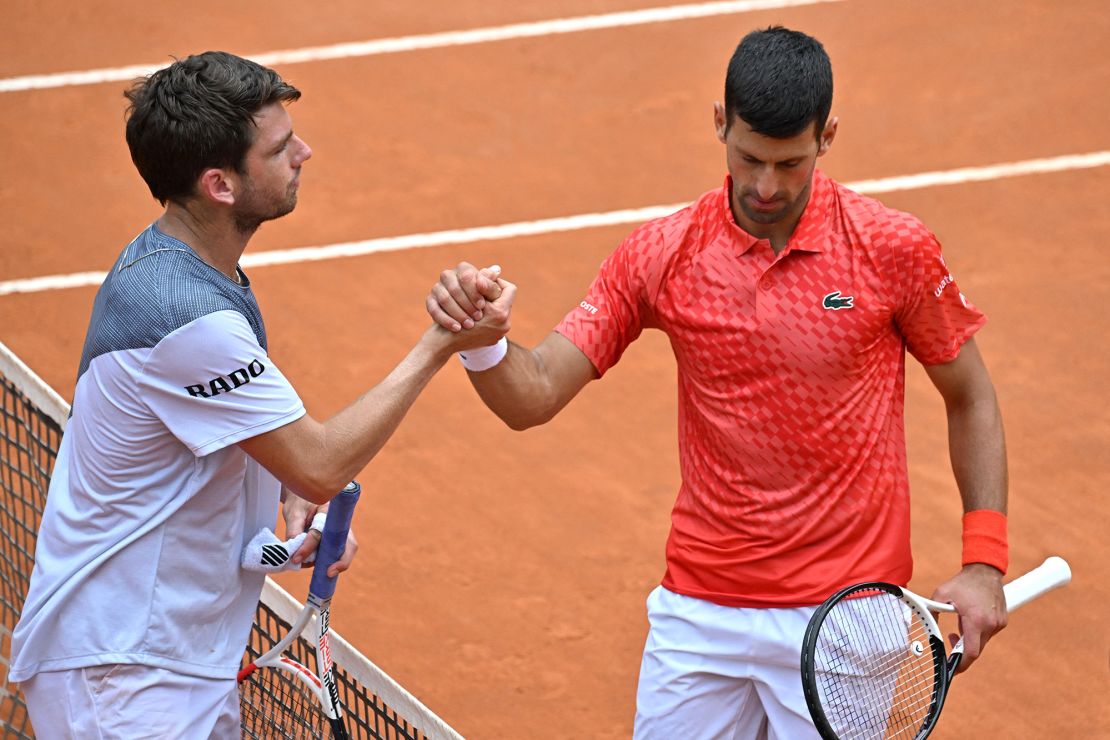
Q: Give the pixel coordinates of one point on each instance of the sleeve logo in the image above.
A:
(834, 301)
(944, 283)
(228, 383)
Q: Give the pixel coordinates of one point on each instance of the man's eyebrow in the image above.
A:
(749, 155)
(284, 140)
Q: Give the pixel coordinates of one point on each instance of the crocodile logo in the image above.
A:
(834, 301)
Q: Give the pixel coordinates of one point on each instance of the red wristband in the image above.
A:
(985, 538)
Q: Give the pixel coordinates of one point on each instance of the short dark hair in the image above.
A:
(779, 82)
(196, 114)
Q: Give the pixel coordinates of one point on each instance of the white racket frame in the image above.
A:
(321, 686)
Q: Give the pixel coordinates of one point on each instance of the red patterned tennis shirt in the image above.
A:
(791, 386)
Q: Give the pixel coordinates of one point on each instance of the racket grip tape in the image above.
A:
(333, 540)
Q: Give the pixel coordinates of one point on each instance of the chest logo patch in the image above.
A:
(834, 301)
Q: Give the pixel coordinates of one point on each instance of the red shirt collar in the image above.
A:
(811, 233)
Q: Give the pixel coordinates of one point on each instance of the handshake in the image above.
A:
(470, 308)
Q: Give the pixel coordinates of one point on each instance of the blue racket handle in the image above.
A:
(333, 540)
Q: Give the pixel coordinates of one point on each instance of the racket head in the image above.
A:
(278, 701)
(284, 698)
(873, 665)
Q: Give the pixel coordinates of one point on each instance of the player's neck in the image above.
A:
(780, 237)
(220, 245)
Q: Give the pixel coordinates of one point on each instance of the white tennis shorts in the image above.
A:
(721, 672)
(131, 702)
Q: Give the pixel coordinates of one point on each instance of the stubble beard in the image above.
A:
(253, 213)
(770, 218)
(765, 218)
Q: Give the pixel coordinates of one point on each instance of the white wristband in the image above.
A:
(483, 358)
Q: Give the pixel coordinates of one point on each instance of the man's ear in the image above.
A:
(720, 121)
(827, 135)
(217, 186)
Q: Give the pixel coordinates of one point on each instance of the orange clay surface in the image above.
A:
(502, 575)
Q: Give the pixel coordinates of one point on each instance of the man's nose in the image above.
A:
(766, 184)
(306, 150)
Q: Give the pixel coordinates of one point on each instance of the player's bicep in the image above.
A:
(964, 380)
(294, 454)
(566, 368)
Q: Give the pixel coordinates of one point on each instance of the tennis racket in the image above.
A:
(294, 702)
(873, 661)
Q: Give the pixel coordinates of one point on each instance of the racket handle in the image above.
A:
(1052, 573)
(333, 540)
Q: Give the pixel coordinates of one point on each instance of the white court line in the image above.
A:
(427, 41)
(581, 221)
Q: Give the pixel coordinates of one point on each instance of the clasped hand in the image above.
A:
(477, 301)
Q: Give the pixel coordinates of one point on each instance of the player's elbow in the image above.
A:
(317, 486)
(525, 416)
(519, 424)
(299, 455)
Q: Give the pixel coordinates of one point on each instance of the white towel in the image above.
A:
(267, 554)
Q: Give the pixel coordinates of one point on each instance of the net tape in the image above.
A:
(32, 418)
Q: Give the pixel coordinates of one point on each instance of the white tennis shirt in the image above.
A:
(151, 500)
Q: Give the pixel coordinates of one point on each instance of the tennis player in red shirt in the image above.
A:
(790, 302)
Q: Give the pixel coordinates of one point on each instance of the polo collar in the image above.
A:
(811, 233)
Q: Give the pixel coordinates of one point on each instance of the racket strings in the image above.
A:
(875, 667)
(276, 705)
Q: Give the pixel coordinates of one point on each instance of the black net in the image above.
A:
(29, 442)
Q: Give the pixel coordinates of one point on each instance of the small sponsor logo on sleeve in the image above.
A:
(944, 283)
(227, 383)
(588, 306)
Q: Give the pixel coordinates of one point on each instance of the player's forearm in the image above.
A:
(977, 449)
(519, 389)
(357, 433)
(332, 453)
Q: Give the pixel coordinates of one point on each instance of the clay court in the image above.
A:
(502, 575)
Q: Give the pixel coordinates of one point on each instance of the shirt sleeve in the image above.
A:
(934, 317)
(213, 385)
(616, 307)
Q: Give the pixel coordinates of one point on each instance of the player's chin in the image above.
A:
(765, 217)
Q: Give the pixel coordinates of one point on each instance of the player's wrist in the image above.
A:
(483, 358)
(985, 540)
(436, 346)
